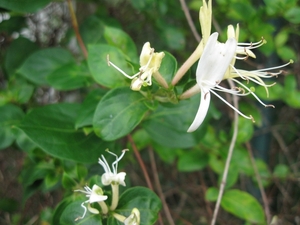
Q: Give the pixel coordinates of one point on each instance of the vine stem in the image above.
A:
(260, 185)
(143, 167)
(158, 187)
(189, 19)
(140, 161)
(76, 29)
(229, 156)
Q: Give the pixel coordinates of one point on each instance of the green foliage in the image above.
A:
(62, 109)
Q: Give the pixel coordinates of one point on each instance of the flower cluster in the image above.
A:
(96, 195)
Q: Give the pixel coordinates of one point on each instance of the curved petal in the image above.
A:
(215, 60)
(202, 111)
(121, 178)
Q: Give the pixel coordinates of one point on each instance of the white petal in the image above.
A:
(202, 111)
(121, 178)
(215, 60)
(106, 178)
(97, 195)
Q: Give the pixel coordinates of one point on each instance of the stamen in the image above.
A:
(81, 217)
(121, 71)
(231, 106)
(252, 93)
(104, 164)
(274, 68)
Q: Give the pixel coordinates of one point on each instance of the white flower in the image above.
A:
(217, 64)
(112, 177)
(94, 195)
(212, 66)
(149, 61)
(134, 218)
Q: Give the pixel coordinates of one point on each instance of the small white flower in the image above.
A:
(134, 218)
(149, 61)
(111, 176)
(94, 195)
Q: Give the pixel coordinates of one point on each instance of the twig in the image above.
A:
(229, 156)
(190, 21)
(260, 186)
(75, 27)
(158, 187)
(140, 161)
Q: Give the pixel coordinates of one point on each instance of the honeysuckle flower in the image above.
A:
(149, 65)
(94, 195)
(212, 66)
(134, 218)
(111, 176)
(217, 64)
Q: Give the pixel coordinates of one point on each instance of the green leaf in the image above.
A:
(286, 53)
(192, 161)
(244, 206)
(174, 37)
(52, 129)
(168, 67)
(69, 77)
(145, 200)
(92, 30)
(18, 90)
(88, 107)
(281, 171)
(168, 125)
(24, 6)
(10, 116)
(74, 210)
(211, 194)
(42, 63)
(293, 15)
(246, 129)
(118, 38)
(14, 57)
(101, 72)
(118, 113)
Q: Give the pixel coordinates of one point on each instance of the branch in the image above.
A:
(75, 27)
(190, 21)
(261, 188)
(229, 156)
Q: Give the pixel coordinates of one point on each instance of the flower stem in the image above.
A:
(188, 63)
(115, 196)
(75, 27)
(158, 77)
(119, 217)
(103, 207)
